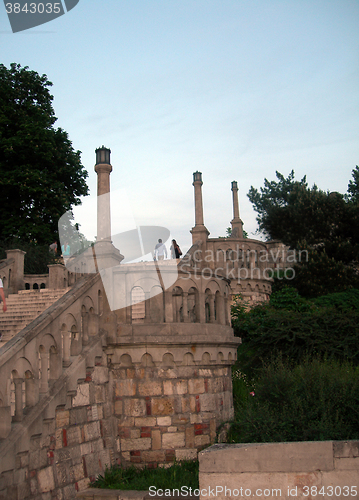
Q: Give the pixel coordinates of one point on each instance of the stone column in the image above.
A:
(147, 307)
(236, 223)
(44, 360)
(199, 231)
(18, 399)
(212, 318)
(67, 345)
(16, 278)
(103, 168)
(197, 183)
(106, 255)
(185, 307)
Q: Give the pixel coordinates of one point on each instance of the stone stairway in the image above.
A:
(24, 307)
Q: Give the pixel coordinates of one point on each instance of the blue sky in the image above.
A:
(234, 88)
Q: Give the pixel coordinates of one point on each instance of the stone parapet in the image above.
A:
(300, 469)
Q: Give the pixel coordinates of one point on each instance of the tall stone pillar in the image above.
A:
(106, 254)
(199, 231)
(236, 223)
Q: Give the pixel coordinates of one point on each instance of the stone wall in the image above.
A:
(167, 413)
(302, 470)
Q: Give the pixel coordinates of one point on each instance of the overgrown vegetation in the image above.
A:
(297, 376)
(179, 474)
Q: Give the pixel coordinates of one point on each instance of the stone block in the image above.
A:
(73, 436)
(215, 385)
(58, 439)
(201, 440)
(149, 387)
(186, 454)
(100, 394)
(346, 449)
(173, 440)
(208, 402)
(5, 421)
(85, 449)
(69, 492)
(135, 433)
(62, 418)
(156, 439)
(78, 416)
(157, 456)
(205, 372)
(92, 431)
(145, 421)
(45, 478)
(100, 375)
(164, 421)
(125, 388)
(62, 471)
(346, 463)
(126, 422)
(82, 397)
(162, 406)
(82, 484)
(181, 387)
(189, 433)
(172, 428)
(186, 404)
(268, 457)
(135, 444)
(135, 407)
(92, 413)
(168, 387)
(38, 459)
(62, 455)
(118, 407)
(196, 386)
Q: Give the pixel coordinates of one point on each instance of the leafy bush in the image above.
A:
(131, 478)
(298, 328)
(315, 401)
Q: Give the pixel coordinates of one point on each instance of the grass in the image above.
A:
(132, 478)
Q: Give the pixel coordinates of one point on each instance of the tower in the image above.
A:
(106, 254)
(199, 231)
(236, 222)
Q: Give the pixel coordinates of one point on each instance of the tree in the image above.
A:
(353, 186)
(41, 174)
(326, 224)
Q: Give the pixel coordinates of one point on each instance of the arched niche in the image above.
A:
(138, 307)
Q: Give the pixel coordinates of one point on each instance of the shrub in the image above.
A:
(315, 400)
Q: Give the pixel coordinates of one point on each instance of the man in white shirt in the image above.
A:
(160, 251)
(2, 295)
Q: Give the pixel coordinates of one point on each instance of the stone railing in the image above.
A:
(34, 359)
(298, 470)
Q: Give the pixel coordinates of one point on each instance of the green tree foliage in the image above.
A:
(295, 328)
(41, 174)
(353, 187)
(326, 224)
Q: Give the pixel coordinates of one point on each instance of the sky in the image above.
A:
(236, 89)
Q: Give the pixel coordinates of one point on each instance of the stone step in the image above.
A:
(23, 308)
